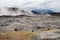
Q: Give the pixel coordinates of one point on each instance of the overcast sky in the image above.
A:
(32, 4)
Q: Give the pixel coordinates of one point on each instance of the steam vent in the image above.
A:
(18, 24)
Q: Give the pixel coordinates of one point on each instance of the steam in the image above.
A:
(13, 11)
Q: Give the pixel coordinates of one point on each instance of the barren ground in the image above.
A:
(34, 27)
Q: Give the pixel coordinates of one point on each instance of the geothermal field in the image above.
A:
(17, 24)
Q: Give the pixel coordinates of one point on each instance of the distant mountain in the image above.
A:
(42, 11)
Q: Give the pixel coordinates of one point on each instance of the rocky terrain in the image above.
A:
(43, 27)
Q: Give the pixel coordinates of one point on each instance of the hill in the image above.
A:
(42, 11)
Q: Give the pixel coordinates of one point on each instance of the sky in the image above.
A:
(32, 4)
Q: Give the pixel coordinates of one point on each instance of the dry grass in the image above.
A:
(16, 36)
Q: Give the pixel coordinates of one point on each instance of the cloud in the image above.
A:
(38, 4)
